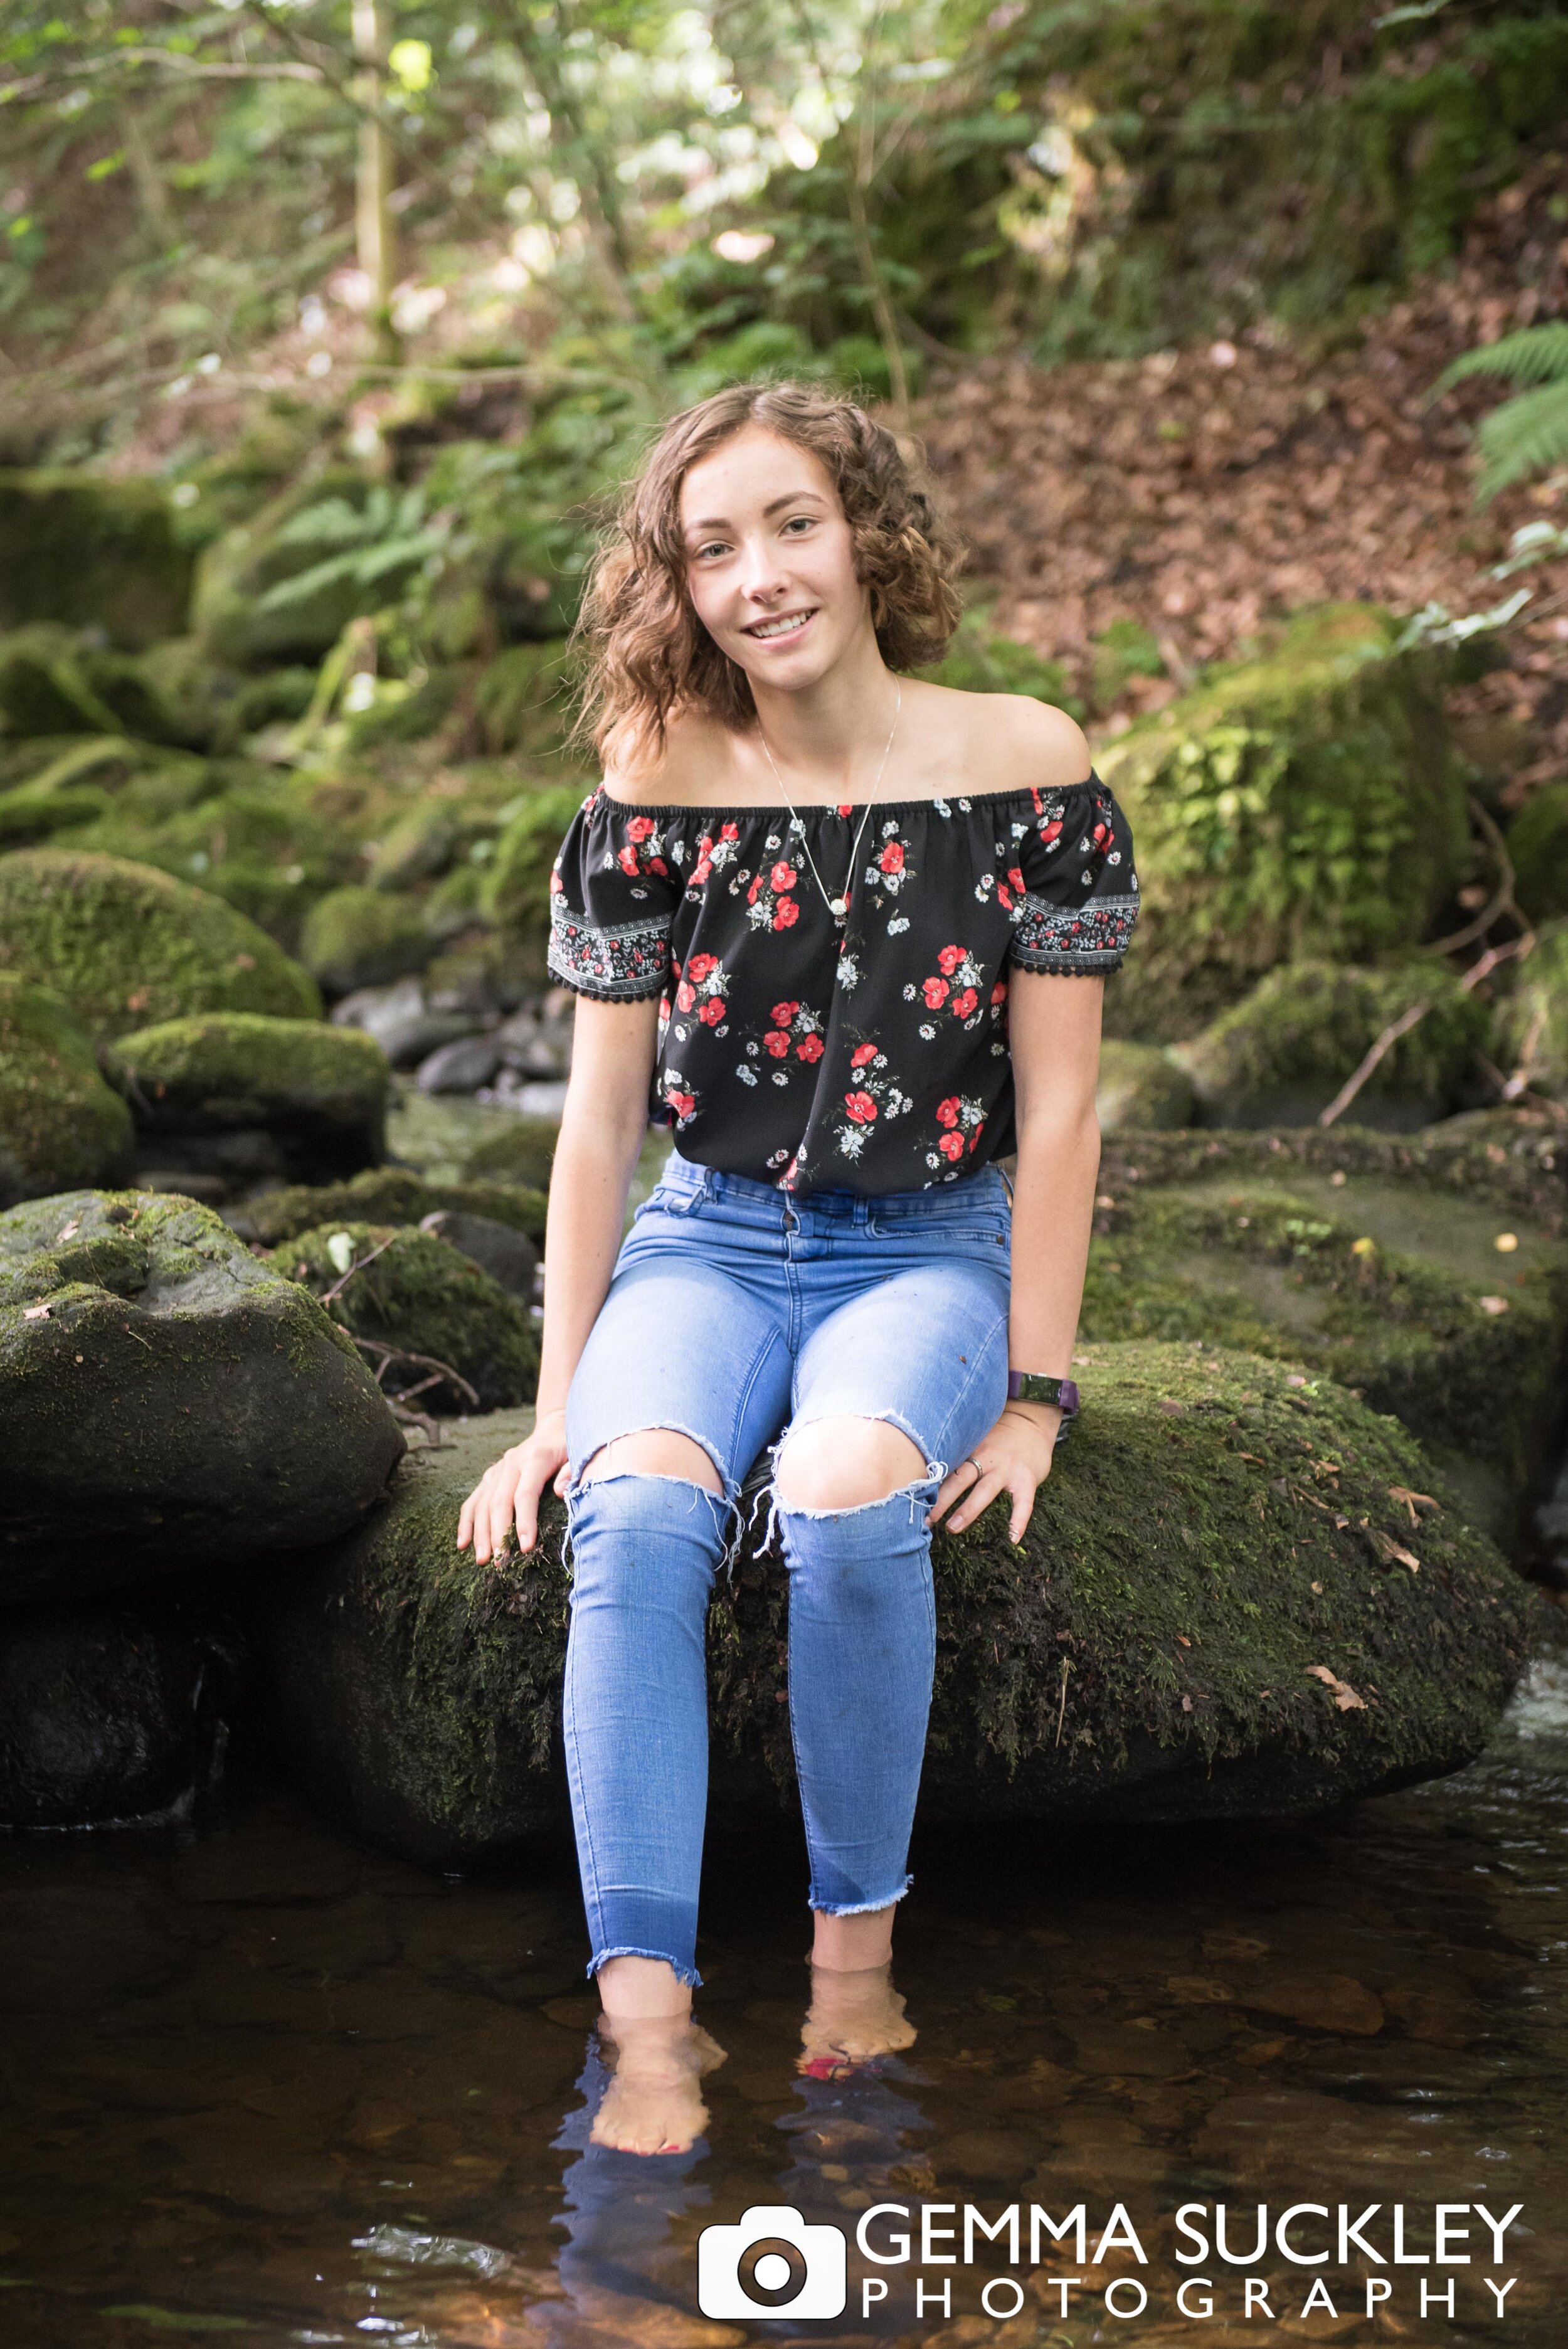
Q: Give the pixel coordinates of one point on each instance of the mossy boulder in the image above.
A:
(1535, 1025)
(1140, 1086)
(323, 1090)
(522, 1151)
(61, 1125)
(168, 1401)
(111, 1715)
(364, 938)
(384, 1195)
(1308, 803)
(54, 681)
(1538, 847)
(418, 847)
(1401, 1294)
(87, 549)
(1171, 1642)
(428, 1306)
(128, 945)
(1281, 1055)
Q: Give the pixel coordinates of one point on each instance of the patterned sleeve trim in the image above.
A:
(1072, 941)
(622, 965)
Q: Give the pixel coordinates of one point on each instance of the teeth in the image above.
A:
(780, 627)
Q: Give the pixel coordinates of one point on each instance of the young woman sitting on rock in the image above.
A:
(849, 927)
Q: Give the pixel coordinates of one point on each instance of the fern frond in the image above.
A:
(1535, 354)
(1523, 436)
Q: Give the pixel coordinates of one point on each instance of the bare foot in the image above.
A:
(852, 2018)
(652, 2104)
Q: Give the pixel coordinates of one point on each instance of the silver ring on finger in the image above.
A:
(970, 1462)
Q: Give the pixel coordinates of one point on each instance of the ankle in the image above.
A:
(643, 1990)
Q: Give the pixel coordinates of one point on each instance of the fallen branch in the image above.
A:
(331, 1296)
(390, 1354)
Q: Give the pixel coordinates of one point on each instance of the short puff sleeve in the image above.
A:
(1079, 897)
(612, 895)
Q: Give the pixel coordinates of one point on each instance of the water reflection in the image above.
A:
(260, 2080)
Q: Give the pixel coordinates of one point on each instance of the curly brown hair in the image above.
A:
(646, 652)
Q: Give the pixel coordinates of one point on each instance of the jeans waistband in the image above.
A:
(985, 1188)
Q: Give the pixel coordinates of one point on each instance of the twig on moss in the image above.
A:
(390, 1354)
(331, 1295)
(1502, 896)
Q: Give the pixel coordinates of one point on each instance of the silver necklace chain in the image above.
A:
(838, 906)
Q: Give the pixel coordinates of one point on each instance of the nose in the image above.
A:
(761, 579)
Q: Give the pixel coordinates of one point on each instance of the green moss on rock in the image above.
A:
(516, 892)
(522, 1151)
(417, 1295)
(61, 1125)
(1308, 803)
(1281, 1055)
(128, 945)
(364, 938)
(1407, 1303)
(384, 1195)
(1152, 1652)
(1140, 1086)
(168, 1400)
(87, 549)
(324, 1089)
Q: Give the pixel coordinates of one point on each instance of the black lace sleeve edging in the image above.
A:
(1078, 900)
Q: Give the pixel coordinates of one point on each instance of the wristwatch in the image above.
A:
(1028, 1386)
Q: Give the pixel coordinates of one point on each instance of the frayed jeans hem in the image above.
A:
(858, 1907)
(688, 1975)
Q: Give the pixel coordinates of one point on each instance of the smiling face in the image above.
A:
(770, 560)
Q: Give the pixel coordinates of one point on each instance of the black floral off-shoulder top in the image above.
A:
(870, 1057)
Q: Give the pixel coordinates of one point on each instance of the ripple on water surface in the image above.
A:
(264, 2083)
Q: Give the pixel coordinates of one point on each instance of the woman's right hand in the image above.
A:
(508, 1494)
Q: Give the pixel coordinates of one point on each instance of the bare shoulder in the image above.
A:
(693, 765)
(1050, 748)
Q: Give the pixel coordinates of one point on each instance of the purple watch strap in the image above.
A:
(1067, 1392)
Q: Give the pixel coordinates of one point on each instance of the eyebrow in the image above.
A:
(790, 498)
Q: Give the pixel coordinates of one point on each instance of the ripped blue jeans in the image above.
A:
(737, 1314)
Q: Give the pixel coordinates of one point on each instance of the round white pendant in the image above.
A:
(838, 907)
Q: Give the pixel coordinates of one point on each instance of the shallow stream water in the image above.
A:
(262, 2081)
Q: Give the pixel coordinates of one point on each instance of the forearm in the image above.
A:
(595, 1162)
(1053, 1217)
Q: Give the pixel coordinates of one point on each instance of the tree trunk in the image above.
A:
(375, 232)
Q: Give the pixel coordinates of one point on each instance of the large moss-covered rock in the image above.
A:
(323, 1090)
(364, 938)
(1305, 804)
(111, 1715)
(128, 945)
(428, 1305)
(1281, 1055)
(91, 551)
(1174, 1639)
(384, 1195)
(167, 1399)
(1400, 1294)
(61, 1125)
(521, 1151)
(1140, 1086)
(56, 681)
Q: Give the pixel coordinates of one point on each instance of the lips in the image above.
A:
(777, 625)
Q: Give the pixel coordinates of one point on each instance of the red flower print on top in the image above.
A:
(810, 1047)
(641, 827)
(861, 1107)
(777, 1043)
(786, 913)
(947, 1110)
(782, 876)
(782, 1014)
(876, 1099)
(796, 1034)
(948, 960)
(703, 987)
(936, 992)
(892, 858)
(861, 1055)
(963, 1120)
(956, 991)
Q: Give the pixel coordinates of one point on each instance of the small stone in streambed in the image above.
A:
(459, 1068)
(402, 1020)
(508, 1257)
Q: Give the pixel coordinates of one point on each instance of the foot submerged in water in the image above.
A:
(654, 2102)
(854, 2019)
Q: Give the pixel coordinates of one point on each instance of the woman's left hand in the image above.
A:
(1015, 1458)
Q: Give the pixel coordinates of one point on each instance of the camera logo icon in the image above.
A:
(771, 2263)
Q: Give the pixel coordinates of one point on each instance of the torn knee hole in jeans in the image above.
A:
(722, 1491)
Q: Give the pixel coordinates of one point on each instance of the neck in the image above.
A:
(829, 739)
